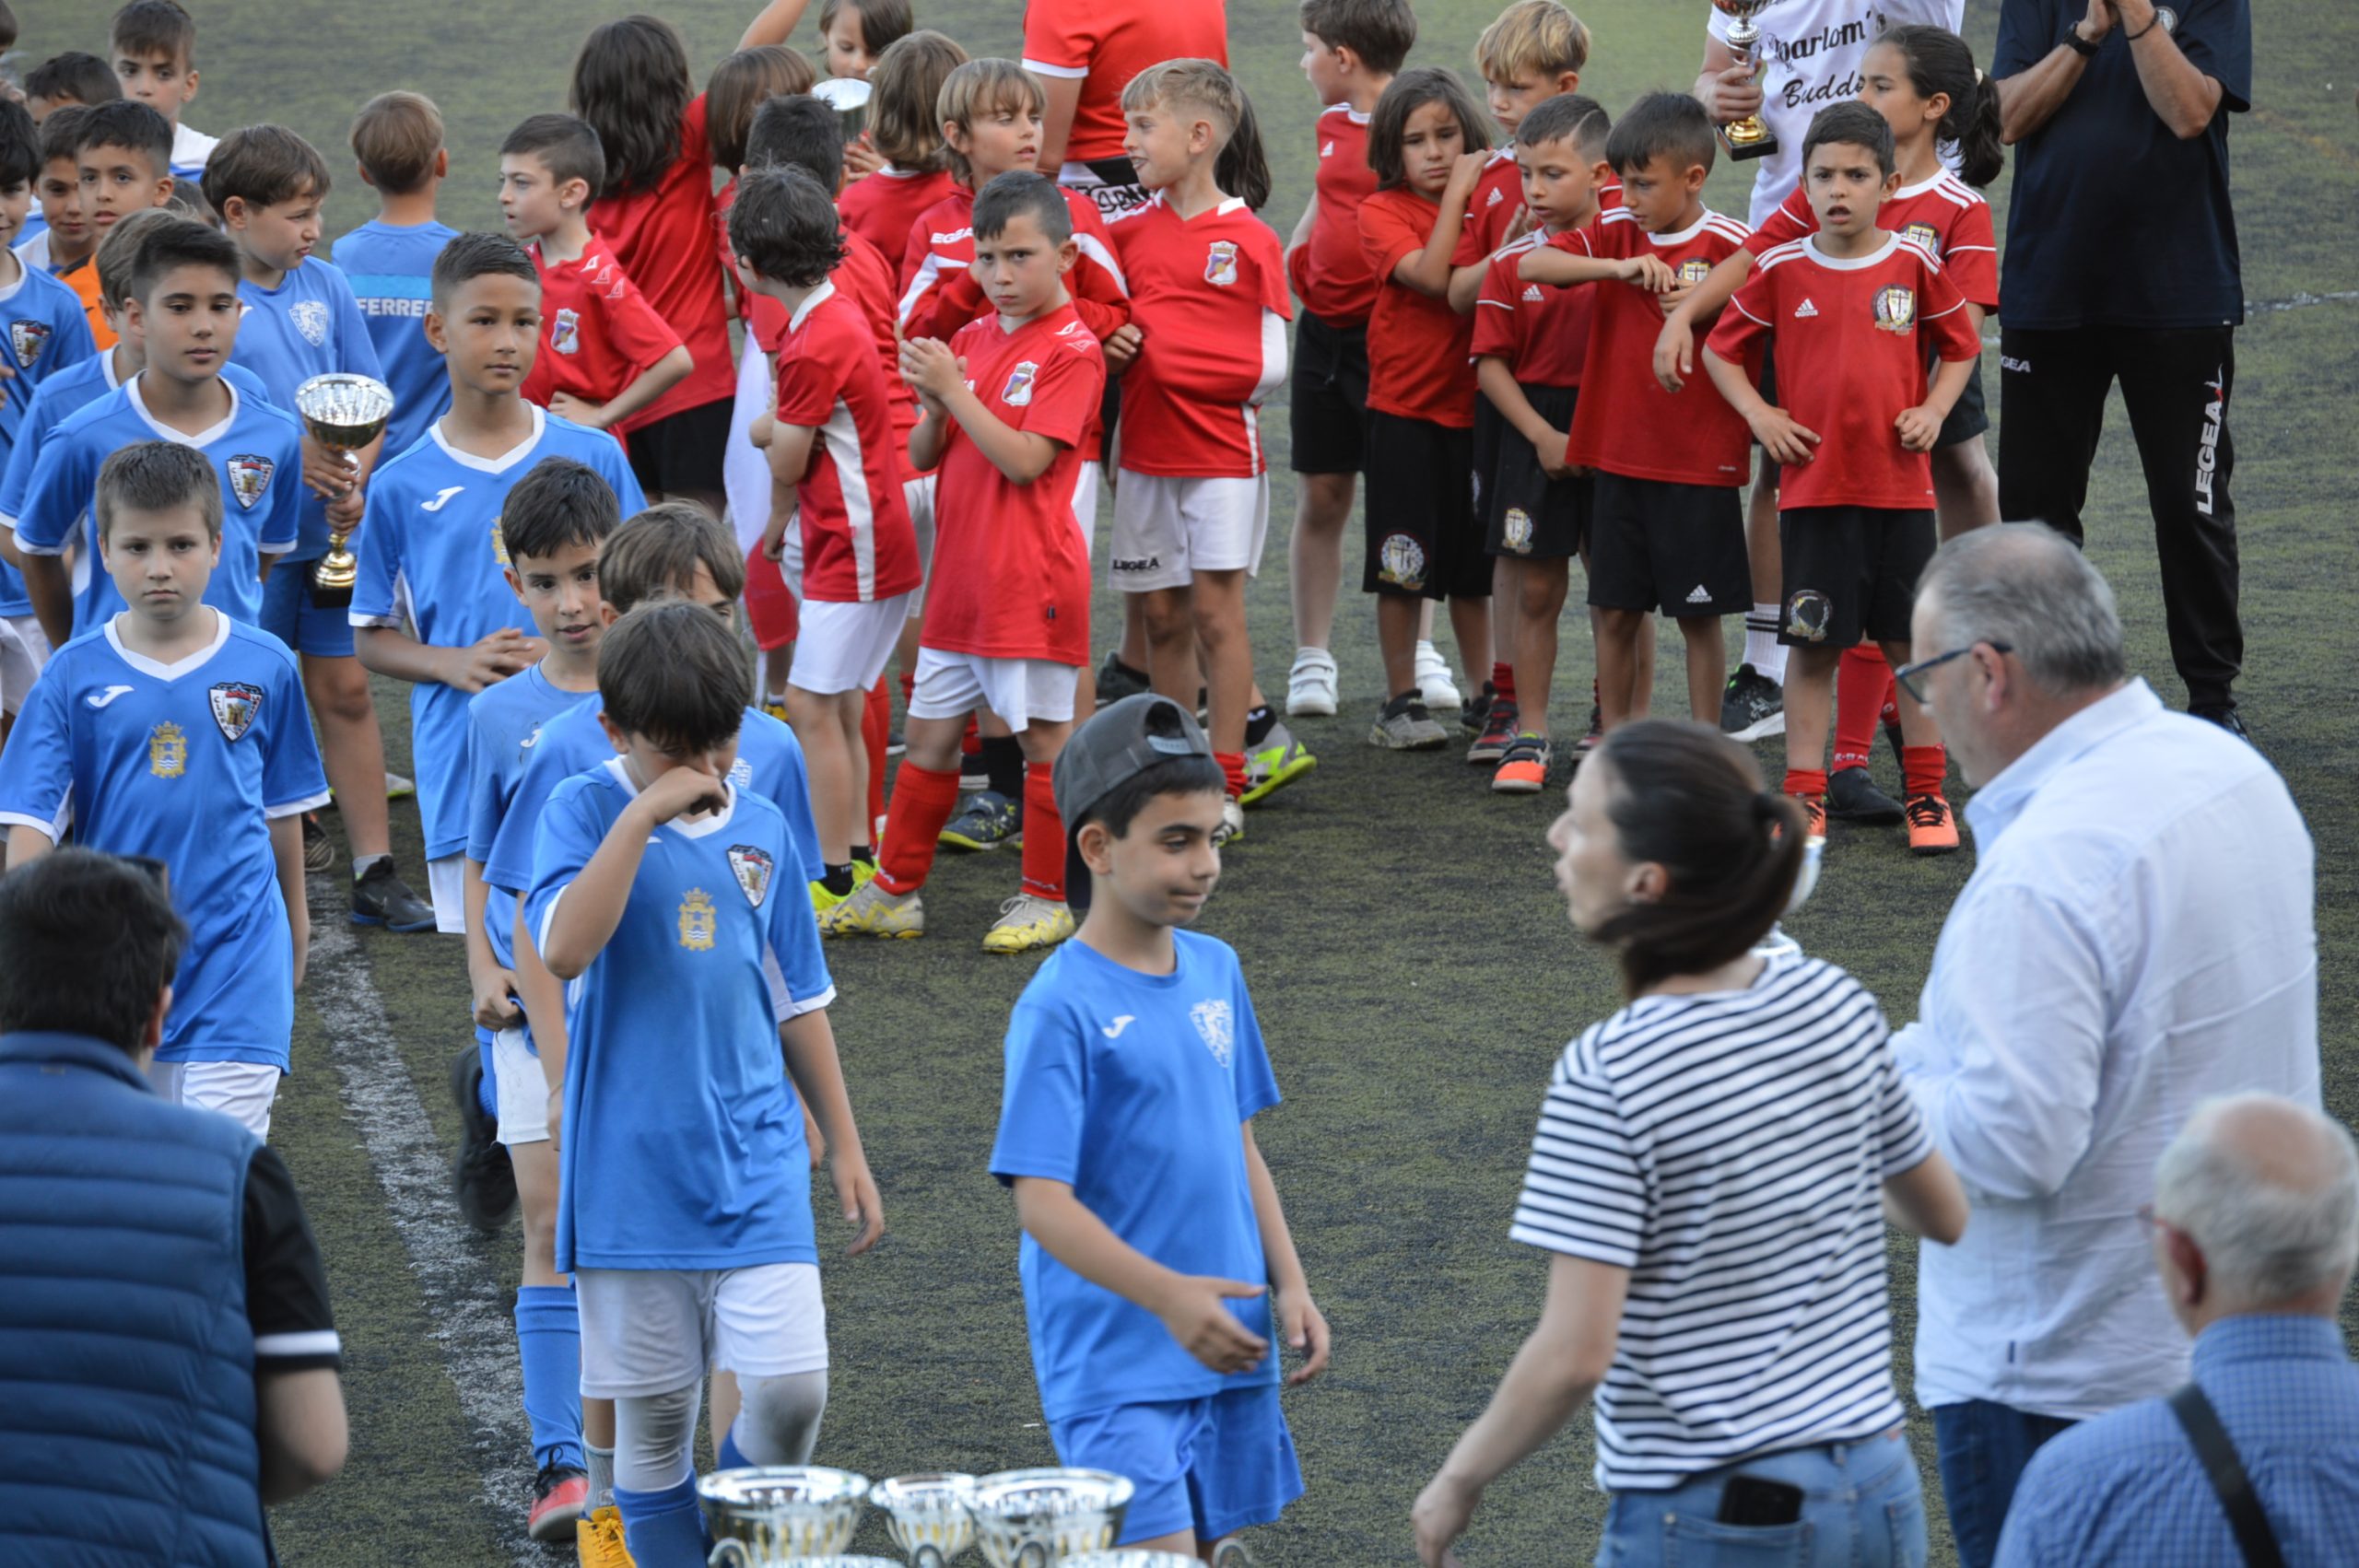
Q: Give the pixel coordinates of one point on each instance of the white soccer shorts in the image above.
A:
(1168, 529)
(652, 1330)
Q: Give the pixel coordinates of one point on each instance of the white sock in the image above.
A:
(602, 1477)
(360, 864)
(1762, 649)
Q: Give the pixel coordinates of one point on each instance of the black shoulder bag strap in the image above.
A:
(2225, 1471)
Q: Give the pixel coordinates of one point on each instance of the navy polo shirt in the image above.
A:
(2116, 221)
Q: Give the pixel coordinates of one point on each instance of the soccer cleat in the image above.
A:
(1116, 680)
(871, 911)
(598, 1539)
(319, 849)
(988, 820)
(775, 708)
(381, 898)
(1433, 678)
(1281, 760)
(1814, 815)
(1311, 687)
(398, 787)
(1027, 922)
(896, 743)
(1852, 796)
(822, 900)
(558, 1493)
(1232, 819)
(2225, 717)
(1404, 725)
(1476, 711)
(1754, 707)
(1523, 768)
(481, 1176)
(1932, 826)
(1498, 732)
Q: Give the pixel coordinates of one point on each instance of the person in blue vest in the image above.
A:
(165, 1338)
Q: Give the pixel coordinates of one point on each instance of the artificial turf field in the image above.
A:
(1410, 964)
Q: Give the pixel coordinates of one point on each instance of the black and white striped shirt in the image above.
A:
(1729, 1150)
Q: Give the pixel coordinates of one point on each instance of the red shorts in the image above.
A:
(770, 603)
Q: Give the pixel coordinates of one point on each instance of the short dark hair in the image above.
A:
(672, 673)
(883, 23)
(154, 477)
(186, 243)
(1568, 117)
(1381, 32)
(83, 79)
(785, 223)
(125, 122)
(394, 139)
(1662, 125)
(1850, 123)
(1407, 93)
(800, 132)
(61, 133)
(87, 943)
(153, 26)
(187, 200)
(904, 85)
(20, 159)
(466, 257)
(263, 166)
(1015, 193)
(655, 552)
(1120, 806)
(738, 88)
(567, 146)
(558, 502)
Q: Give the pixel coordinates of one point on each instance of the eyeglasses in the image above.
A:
(1908, 675)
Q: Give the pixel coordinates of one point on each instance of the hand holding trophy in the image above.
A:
(344, 412)
(1750, 136)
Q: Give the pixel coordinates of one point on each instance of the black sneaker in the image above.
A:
(1754, 707)
(1498, 732)
(319, 849)
(481, 1176)
(381, 898)
(990, 820)
(1116, 680)
(1473, 712)
(1852, 796)
(2226, 717)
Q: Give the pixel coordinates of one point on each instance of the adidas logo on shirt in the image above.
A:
(1698, 596)
(1531, 295)
(1805, 310)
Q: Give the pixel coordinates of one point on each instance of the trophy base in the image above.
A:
(329, 590)
(1741, 148)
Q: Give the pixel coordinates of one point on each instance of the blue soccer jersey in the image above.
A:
(48, 334)
(683, 1144)
(391, 268)
(308, 326)
(257, 452)
(430, 555)
(1133, 1089)
(186, 764)
(503, 726)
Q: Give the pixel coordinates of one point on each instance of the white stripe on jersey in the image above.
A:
(842, 438)
(1273, 375)
(922, 283)
(1097, 251)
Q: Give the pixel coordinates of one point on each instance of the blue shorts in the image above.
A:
(289, 613)
(1211, 1466)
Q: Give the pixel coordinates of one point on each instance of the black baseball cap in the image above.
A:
(1120, 741)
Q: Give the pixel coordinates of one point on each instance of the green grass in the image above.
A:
(1410, 966)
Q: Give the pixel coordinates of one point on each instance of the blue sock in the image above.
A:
(729, 1457)
(549, 1340)
(663, 1529)
(488, 1091)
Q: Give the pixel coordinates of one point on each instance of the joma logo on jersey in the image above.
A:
(250, 478)
(1220, 264)
(698, 921)
(2207, 445)
(26, 340)
(310, 319)
(168, 750)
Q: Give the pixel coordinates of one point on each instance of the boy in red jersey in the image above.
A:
(1010, 406)
(1665, 527)
(1855, 312)
(604, 354)
(1351, 50)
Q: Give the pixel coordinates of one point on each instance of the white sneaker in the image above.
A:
(1434, 684)
(1311, 689)
(1026, 923)
(1232, 819)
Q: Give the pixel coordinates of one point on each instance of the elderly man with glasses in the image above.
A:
(2137, 937)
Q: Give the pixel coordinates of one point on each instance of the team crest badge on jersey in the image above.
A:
(1896, 308)
(26, 340)
(1807, 614)
(250, 478)
(698, 921)
(1516, 527)
(752, 867)
(1693, 269)
(1210, 1017)
(1220, 264)
(167, 751)
(500, 545)
(1400, 561)
(236, 704)
(565, 331)
(1017, 394)
(1924, 234)
(741, 774)
(310, 319)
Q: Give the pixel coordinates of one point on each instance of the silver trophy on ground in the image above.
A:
(1035, 1518)
(767, 1515)
(1128, 1557)
(930, 1516)
(1751, 136)
(343, 413)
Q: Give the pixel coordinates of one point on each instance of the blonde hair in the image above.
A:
(979, 87)
(1537, 38)
(1241, 170)
(904, 85)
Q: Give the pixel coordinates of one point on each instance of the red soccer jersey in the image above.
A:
(1011, 572)
(1626, 424)
(1209, 294)
(858, 545)
(1417, 361)
(881, 208)
(866, 278)
(1328, 269)
(1944, 215)
(1497, 198)
(663, 237)
(1541, 332)
(939, 295)
(1103, 43)
(597, 335)
(1853, 338)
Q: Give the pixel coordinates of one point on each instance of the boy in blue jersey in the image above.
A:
(152, 44)
(430, 549)
(667, 898)
(397, 140)
(173, 731)
(1156, 1261)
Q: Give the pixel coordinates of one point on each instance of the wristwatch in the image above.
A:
(2079, 45)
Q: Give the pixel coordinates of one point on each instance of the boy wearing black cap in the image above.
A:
(1155, 1258)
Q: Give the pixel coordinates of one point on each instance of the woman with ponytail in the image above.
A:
(1712, 1174)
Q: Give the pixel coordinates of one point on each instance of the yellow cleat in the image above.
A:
(1026, 922)
(822, 900)
(598, 1538)
(871, 911)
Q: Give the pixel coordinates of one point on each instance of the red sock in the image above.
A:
(1861, 680)
(1805, 781)
(876, 730)
(1044, 834)
(1503, 680)
(922, 802)
(909, 687)
(1232, 772)
(971, 742)
(1922, 769)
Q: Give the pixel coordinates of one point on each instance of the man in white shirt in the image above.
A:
(2136, 938)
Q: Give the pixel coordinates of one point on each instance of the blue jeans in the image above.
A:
(1982, 1450)
(1862, 1507)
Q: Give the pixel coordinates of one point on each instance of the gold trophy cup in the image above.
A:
(344, 412)
(1751, 136)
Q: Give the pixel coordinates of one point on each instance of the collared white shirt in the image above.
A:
(2136, 938)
